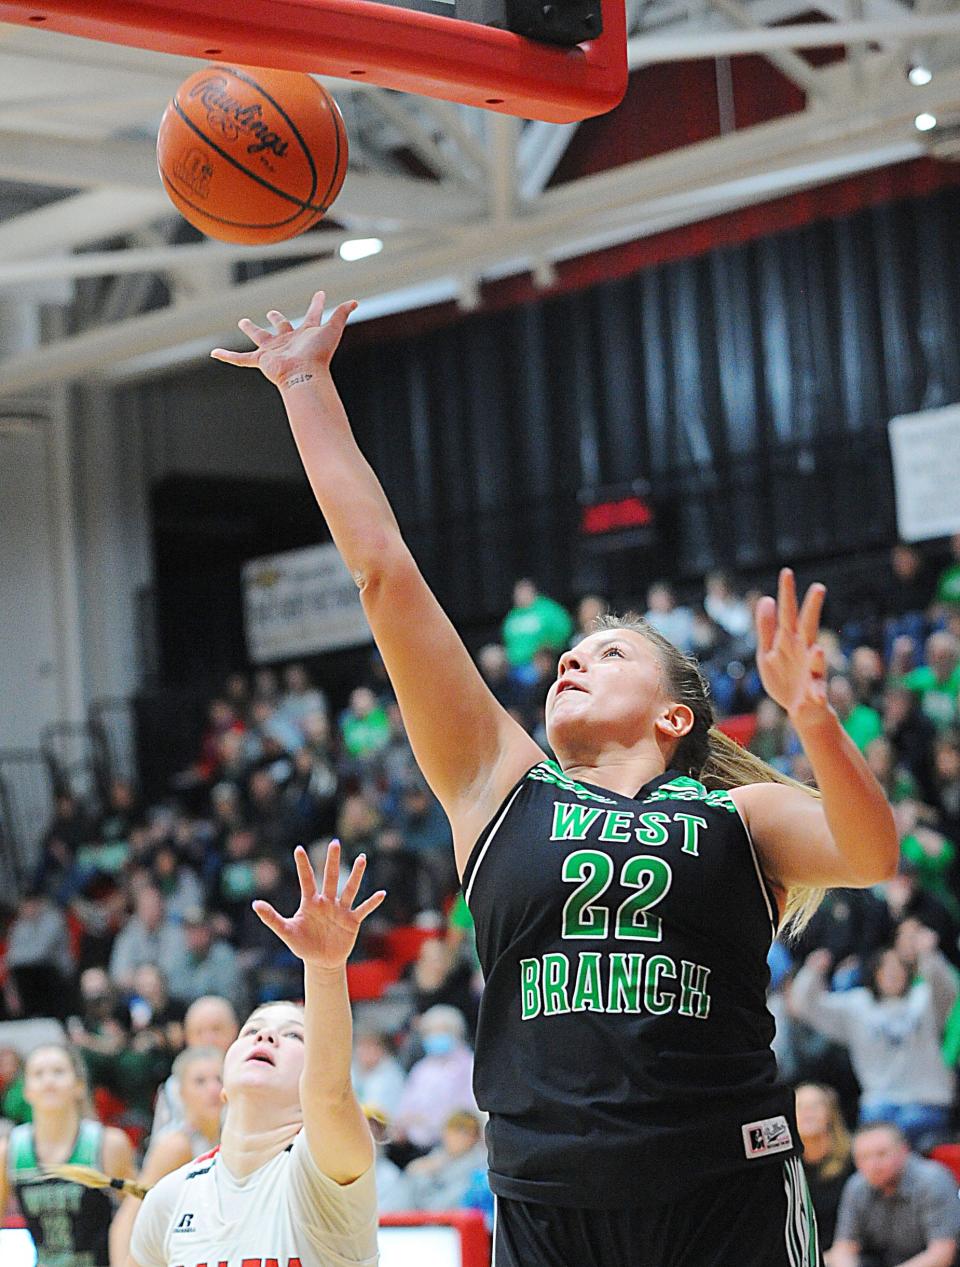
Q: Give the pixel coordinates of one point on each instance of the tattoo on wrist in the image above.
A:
(296, 379)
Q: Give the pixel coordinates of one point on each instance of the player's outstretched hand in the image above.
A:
(288, 357)
(790, 661)
(324, 929)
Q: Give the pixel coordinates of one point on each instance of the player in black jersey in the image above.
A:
(70, 1226)
(625, 896)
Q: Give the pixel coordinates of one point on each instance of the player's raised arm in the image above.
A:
(470, 750)
(322, 933)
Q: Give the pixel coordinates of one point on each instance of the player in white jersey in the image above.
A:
(292, 1183)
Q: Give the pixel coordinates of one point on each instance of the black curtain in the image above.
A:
(752, 386)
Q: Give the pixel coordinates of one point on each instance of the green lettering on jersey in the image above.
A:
(659, 1002)
(572, 821)
(691, 832)
(587, 990)
(653, 828)
(556, 973)
(625, 977)
(529, 988)
(616, 826)
(694, 1000)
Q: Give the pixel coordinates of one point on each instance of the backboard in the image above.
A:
(557, 60)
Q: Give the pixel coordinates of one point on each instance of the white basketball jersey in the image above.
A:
(286, 1214)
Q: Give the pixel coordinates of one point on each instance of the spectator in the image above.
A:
(893, 1031)
(861, 722)
(209, 1022)
(427, 832)
(152, 1008)
(589, 610)
(377, 1075)
(771, 738)
(301, 697)
(866, 673)
(440, 977)
(495, 670)
(233, 887)
(725, 607)
(898, 1208)
(947, 595)
(38, 959)
(121, 813)
(827, 1160)
(442, 1179)
(149, 936)
(206, 966)
(674, 622)
(535, 621)
(852, 924)
(176, 881)
(896, 780)
(69, 829)
(272, 971)
(929, 853)
(912, 735)
(13, 1104)
(309, 799)
(937, 683)
(270, 818)
(440, 1083)
(907, 597)
(364, 726)
(946, 758)
(357, 825)
(411, 886)
(906, 899)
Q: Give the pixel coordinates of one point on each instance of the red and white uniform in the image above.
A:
(286, 1214)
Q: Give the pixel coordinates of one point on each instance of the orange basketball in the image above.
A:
(252, 156)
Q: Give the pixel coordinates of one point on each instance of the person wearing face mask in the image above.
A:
(293, 1178)
(438, 1084)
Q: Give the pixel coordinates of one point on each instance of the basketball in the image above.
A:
(251, 156)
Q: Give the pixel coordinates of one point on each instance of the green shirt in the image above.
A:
(863, 725)
(948, 585)
(363, 736)
(938, 700)
(528, 629)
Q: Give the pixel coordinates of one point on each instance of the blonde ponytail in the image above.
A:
(728, 765)
(91, 1178)
(708, 755)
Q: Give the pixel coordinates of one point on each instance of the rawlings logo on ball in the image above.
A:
(232, 117)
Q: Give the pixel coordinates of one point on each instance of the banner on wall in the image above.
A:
(925, 449)
(299, 603)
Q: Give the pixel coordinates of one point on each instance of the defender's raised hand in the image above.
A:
(789, 658)
(323, 931)
(288, 356)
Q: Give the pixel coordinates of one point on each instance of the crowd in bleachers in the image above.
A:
(134, 911)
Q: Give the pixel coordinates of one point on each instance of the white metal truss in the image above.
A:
(456, 195)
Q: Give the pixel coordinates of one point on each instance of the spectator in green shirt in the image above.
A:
(364, 726)
(948, 582)
(937, 682)
(861, 722)
(534, 622)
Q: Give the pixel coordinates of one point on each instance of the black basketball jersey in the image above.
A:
(69, 1223)
(623, 1045)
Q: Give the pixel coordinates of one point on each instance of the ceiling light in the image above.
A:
(924, 122)
(360, 248)
(919, 75)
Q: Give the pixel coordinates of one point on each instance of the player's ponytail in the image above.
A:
(89, 1177)
(707, 754)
